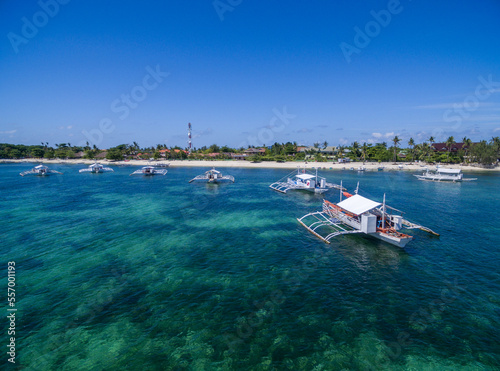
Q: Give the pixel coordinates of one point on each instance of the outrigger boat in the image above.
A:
(358, 214)
(96, 168)
(444, 175)
(212, 176)
(149, 170)
(303, 181)
(40, 170)
(162, 164)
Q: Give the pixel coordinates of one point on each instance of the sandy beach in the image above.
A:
(369, 166)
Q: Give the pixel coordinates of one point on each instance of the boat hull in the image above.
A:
(393, 240)
(438, 179)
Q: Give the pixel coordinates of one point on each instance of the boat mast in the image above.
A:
(189, 138)
(341, 191)
(357, 189)
(383, 213)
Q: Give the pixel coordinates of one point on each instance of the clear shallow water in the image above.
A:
(154, 273)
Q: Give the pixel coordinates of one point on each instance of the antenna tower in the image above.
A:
(189, 138)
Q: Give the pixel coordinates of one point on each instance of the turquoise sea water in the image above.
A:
(154, 273)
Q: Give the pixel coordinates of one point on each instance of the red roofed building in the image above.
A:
(255, 151)
(441, 147)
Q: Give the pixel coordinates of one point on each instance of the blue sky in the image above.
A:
(248, 72)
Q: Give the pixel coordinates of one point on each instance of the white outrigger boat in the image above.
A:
(358, 214)
(149, 170)
(96, 168)
(303, 181)
(40, 170)
(444, 175)
(212, 176)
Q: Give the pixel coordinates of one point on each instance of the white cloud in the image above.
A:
(304, 130)
(8, 132)
(496, 129)
(456, 105)
(376, 135)
(69, 127)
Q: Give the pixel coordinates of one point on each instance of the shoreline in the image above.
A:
(369, 166)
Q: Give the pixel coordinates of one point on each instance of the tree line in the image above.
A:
(482, 152)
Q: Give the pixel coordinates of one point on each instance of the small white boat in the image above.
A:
(149, 170)
(212, 176)
(358, 214)
(40, 170)
(303, 181)
(96, 168)
(444, 175)
(361, 168)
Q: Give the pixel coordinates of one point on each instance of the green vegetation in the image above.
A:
(484, 153)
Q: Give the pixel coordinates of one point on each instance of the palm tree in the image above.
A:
(325, 144)
(364, 150)
(431, 140)
(449, 143)
(355, 149)
(466, 145)
(425, 150)
(340, 150)
(396, 141)
(411, 143)
(496, 145)
(136, 147)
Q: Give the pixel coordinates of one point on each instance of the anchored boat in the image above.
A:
(444, 174)
(96, 168)
(149, 170)
(40, 170)
(212, 176)
(303, 180)
(358, 214)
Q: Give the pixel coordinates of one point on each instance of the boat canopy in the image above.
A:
(358, 204)
(305, 176)
(449, 171)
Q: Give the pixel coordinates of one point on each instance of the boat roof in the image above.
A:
(448, 171)
(358, 204)
(40, 167)
(305, 176)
